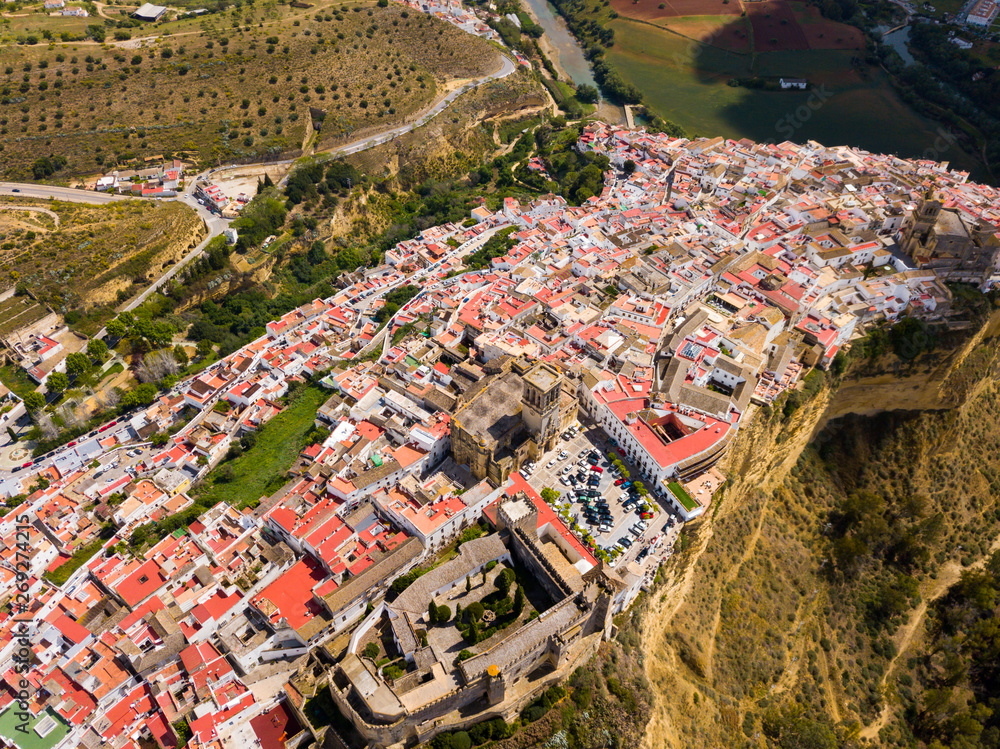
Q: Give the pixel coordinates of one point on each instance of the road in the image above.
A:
(216, 224)
(507, 67)
(70, 194)
(71, 457)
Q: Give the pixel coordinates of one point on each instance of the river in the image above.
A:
(567, 48)
(898, 40)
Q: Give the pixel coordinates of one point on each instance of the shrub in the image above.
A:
(371, 651)
(475, 611)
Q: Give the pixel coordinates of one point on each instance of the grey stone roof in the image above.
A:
(496, 410)
(471, 554)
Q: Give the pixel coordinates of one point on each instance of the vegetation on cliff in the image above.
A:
(798, 614)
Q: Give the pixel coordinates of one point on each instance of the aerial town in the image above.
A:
(502, 466)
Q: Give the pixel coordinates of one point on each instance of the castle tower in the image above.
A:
(495, 688)
(540, 403)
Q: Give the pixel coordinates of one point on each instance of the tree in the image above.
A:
(180, 356)
(97, 349)
(468, 584)
(57, 382)
(550, 495)
(519, 601)
(371, 651)
(156, 365)
(116, 328)
(503, 581)
(317, 252)
(475, 611)
(443, 614)
(205, 347)
(587, 94)
(472, 633)
(629, 166)
(432, 613)
(77, 363)
(34, 402)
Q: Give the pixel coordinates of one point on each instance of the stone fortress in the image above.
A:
(439, 690)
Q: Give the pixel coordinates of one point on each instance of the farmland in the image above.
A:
(685, 81)
(95, 252)
(248, 83)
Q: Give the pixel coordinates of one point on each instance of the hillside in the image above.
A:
(71, 255)
(794, 615)
(240, 85)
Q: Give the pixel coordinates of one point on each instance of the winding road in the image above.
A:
(216, 224)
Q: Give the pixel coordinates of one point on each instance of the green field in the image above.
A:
(261, 470)
(686, 82)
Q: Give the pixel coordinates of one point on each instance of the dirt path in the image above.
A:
(51, 214)
(948, 576)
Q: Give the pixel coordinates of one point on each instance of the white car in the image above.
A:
(550, 464)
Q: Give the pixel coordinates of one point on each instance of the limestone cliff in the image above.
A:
(788, 617)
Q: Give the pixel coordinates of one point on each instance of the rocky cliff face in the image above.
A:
(788, 617)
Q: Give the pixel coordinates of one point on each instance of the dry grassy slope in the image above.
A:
(449, 145)
(225, 93)
(740, 622)
(96, 250)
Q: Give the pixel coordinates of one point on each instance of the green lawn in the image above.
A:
(261, 470)
(16, 380)
(80, 557)
(11, 723)
(682, 496)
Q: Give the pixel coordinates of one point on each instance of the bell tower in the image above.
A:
(540, 403)
(918, 243)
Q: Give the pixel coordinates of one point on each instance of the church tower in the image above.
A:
(540, 404)
(918, 243)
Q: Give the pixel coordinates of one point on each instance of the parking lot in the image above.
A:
(579, 448)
